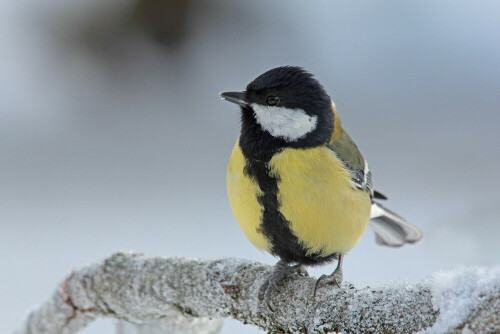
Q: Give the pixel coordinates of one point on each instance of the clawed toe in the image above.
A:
(267, 294)
(263, 289)
(334, 279)
(327, 280)
(269, 285)
(281, 271)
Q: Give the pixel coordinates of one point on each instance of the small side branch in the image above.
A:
(189, 292)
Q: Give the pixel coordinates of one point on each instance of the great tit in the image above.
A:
(297, 183)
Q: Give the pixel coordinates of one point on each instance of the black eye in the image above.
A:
(272, 100)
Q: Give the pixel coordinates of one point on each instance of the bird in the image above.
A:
(297, 183)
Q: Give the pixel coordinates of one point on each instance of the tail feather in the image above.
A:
(391, 229)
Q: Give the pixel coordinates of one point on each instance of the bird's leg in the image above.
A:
(281, 270)
(335, 278)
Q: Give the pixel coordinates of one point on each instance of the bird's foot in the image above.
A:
(281, 271)
(334, 279)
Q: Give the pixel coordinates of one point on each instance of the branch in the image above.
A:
(141, 289)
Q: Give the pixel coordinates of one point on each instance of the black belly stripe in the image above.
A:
(274, 226)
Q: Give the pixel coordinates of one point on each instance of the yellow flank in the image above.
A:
(316, 196)
(243, 193)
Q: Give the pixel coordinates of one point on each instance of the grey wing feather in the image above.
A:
(391, 229)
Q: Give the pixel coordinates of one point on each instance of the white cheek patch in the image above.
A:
(289, 124)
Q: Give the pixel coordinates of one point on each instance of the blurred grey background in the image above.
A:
(113, 137)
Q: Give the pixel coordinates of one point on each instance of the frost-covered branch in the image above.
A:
(189, 292)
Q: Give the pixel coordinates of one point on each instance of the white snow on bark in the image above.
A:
(456, 294)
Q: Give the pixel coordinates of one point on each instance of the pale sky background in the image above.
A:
(110, 141)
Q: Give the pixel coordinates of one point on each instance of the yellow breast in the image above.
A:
(315, 195)
(243, 193)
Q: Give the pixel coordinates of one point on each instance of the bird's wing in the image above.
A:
(347, 151)
(390, 228)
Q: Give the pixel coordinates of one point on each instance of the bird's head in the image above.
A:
(284, 107)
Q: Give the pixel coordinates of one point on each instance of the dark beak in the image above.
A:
(235, 97)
